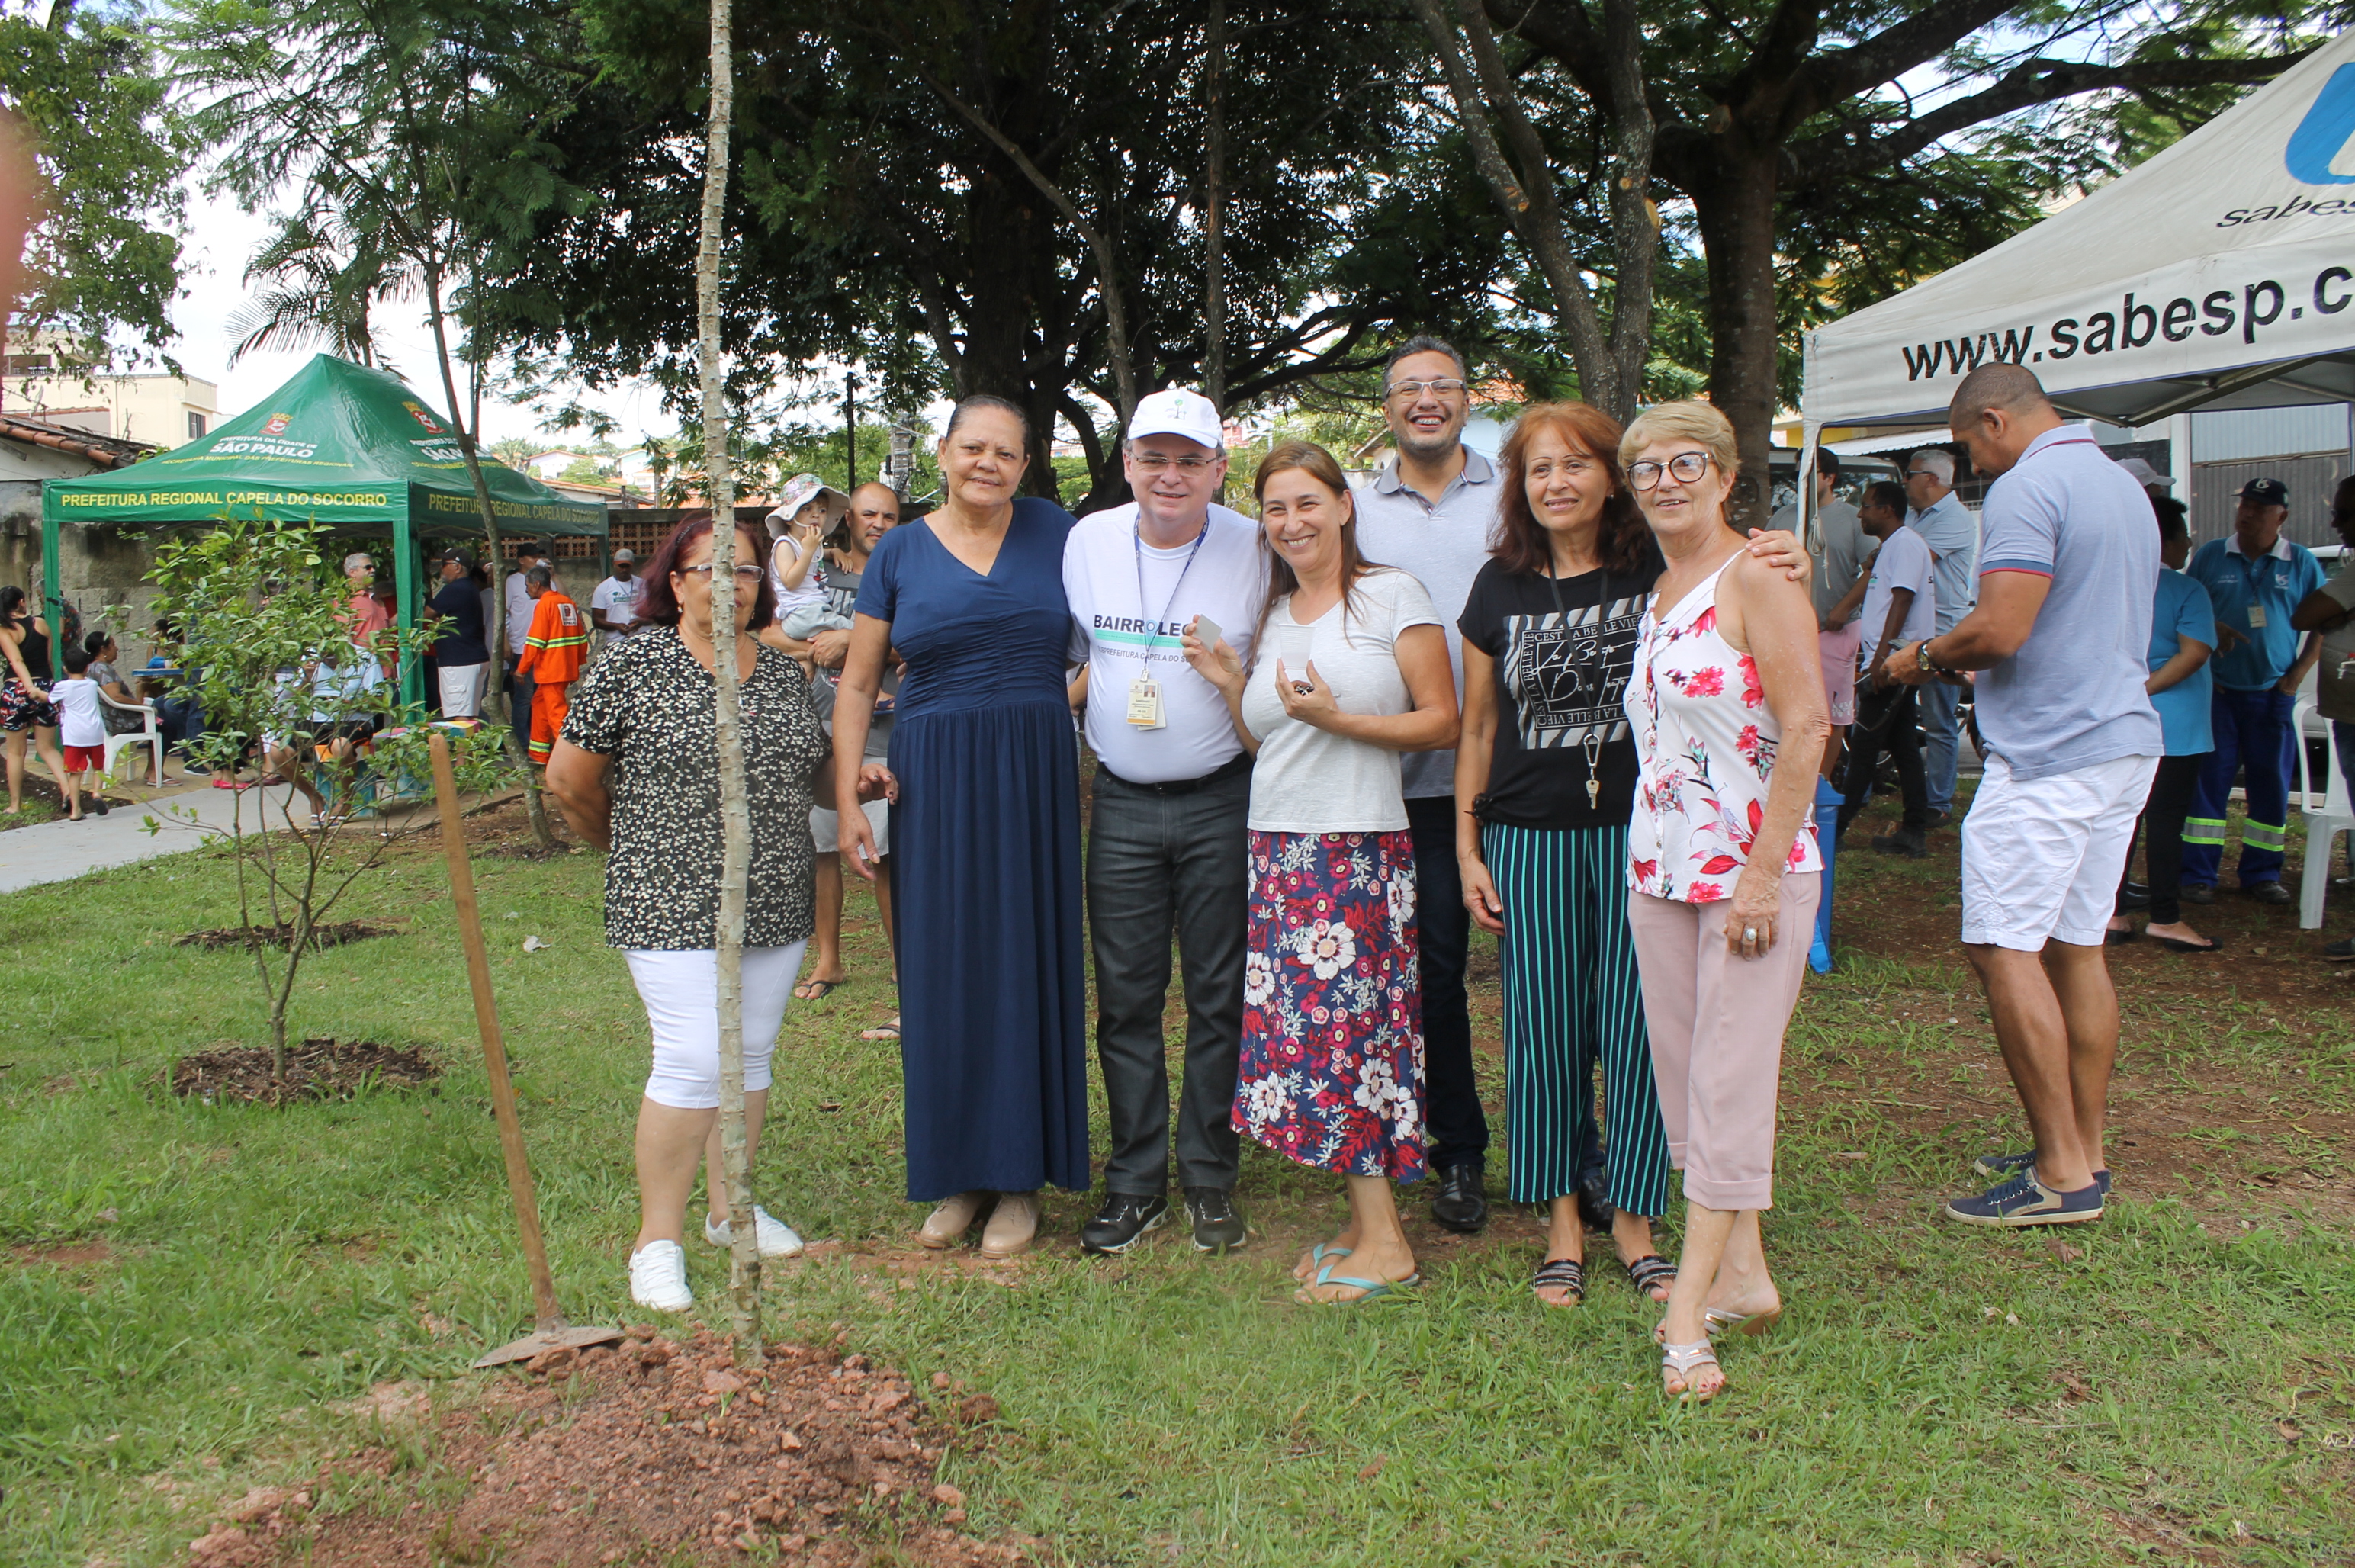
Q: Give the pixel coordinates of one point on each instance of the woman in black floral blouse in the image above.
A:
(636, 773)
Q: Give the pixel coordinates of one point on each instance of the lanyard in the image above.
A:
(2252, 581)
(1137, 538)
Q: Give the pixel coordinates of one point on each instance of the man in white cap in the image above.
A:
(614, 604)
(1166, 843)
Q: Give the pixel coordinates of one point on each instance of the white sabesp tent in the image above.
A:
(2217, 276)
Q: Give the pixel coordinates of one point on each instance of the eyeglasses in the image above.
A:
(1446, 386)
(746, 576)
(1686, 467)
(1158, 462)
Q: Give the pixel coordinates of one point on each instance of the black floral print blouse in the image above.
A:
(648, 705)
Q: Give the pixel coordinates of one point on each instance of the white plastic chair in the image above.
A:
(2323, 827)
(151, 735)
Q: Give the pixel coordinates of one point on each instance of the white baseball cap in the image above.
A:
(2145, 475)
(1174, 410)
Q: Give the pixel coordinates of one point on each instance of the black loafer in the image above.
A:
(1217, 1225)
(1123, 1222)
(2132, 895)
(1460, 1205)
(2269, 893)
(1595, 1211)
(2197, 893)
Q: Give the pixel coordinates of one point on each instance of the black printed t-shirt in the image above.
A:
(1562, 681)
(649, 706)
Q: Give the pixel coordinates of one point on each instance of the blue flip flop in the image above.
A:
(1373, 1289)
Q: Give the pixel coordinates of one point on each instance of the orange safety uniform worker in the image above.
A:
(553, 652)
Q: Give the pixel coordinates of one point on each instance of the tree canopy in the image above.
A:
(82, 89)
(1624, 198)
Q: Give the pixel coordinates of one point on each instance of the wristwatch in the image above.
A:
(1928, 665)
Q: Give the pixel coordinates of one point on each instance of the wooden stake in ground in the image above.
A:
(735, 812)
(551, 1331)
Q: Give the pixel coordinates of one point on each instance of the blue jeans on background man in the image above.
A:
(1942, 742)
(2252, 736)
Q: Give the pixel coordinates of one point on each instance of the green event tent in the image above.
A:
(341, 444)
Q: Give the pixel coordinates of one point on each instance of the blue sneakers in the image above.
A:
(2023, 1201)
(1997, 1166)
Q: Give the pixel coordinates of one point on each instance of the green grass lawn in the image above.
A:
(194, 1295)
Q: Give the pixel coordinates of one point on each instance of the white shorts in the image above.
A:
(826, 827)
(681, 991)
(2041, 858)
(461, 690)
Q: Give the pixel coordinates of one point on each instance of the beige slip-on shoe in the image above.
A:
(1012, 1226)
(947, 1224)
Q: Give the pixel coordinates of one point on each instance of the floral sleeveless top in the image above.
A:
(1704, 750)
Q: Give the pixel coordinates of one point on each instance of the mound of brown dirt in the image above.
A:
(661, 1453)
(334, 935)
(316, 1070)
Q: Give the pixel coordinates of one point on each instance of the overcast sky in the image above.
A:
(219, 240)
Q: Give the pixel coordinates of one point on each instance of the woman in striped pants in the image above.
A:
(1545, 779)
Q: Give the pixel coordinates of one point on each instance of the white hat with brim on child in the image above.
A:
(799, 492)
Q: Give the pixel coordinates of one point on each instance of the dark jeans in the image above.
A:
(182, 720)
(1457, 1126)
(1158, 863)
(2162, 826)
(1885, 724)
(519, 691)
(2252, 739)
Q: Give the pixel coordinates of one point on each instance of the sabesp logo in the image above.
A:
(2318, 151)
(276, 424)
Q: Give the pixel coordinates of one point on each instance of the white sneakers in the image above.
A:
(658, 1277)
(658, 1269)
(776, 1238)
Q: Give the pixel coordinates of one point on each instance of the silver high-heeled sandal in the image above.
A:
(1682, 1361)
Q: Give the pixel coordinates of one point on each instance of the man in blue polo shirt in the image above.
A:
(2255, 580)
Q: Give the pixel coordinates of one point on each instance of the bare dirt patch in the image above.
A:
(333, 934)
(316, 1070)
(65, 1255)
(653, 1453)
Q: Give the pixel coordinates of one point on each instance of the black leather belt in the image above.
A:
(1240, 763)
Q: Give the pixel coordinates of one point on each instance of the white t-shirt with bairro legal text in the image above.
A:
(1130, 605)
(1308, 780)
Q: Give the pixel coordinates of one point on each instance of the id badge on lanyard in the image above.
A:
(1145, 703)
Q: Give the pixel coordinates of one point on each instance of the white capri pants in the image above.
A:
(681, 991)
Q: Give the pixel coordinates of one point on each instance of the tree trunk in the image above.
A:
(1214, 177)
(1512, 162)
(735, 812)
(1736, 209)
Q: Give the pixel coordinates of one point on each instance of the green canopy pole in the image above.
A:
(404, 576)
(53, 599)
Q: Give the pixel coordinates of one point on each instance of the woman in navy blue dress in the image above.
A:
(985, 835)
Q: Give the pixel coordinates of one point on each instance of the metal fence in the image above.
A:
(2311, 476)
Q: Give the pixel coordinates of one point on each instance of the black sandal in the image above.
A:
(1650, 1270)
(1565, 1274)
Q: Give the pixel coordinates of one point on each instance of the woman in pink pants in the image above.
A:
(1723, 863)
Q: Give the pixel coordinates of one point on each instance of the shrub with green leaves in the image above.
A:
(265, 631)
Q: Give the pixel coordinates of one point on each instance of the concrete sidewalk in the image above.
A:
(60, 850)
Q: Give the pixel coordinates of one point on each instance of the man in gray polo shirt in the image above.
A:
(1429, 513)
(2059, 637)
(1953, 536)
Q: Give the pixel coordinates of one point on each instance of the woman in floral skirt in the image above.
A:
(1351, 669)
